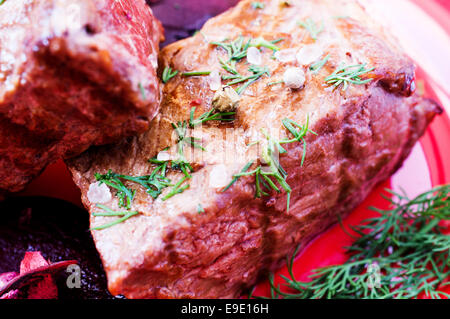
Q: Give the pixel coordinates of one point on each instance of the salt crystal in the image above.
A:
(99, 193)
(286, 55)
(218, 177)
(214, 80)
(254, 56)
(309, 54)
(163, 156)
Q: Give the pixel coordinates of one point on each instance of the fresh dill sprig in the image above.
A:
(125, 194)
(235, 178)
(157, 180)
(210, 115)
(261, 42)
(407, 245)
(168, 74)
(272, 173)
(275, 82)
(153, 183)
(181, 129)
(196, 73)
(348, 75)
(108, 212)
(237, 50)
(141, 89)
(235, 77)
(258, 5)
(311, 27)
(257, 71)
(316, 67)
(200, 209)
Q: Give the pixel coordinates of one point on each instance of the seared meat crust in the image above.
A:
(73, 74)
(363, 136)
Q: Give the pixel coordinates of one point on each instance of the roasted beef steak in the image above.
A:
(212, 241)
(73, 74)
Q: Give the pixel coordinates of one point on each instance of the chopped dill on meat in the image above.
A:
(258, 5)
(196, 73)
(347, 75)
(261, 42)
(256, 73)
(168, 74)
(316, 67)
(108, 212)
(142, 90)
(157, 180)
(237, 50)
(274, 83)
(311, 27)
(406, 243)
(200, 209)
(270, 174)
(210, 115)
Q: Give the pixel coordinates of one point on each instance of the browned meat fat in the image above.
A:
(72, 74)
(206, 242)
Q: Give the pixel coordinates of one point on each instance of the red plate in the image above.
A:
(423, 28)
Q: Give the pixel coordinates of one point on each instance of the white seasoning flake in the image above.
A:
(294, 78)
(219, 177)
(254, 56)
(309, 54)
(214, 80)
(99, 193)
(163, 156)
(286, 55)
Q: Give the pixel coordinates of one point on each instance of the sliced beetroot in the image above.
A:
(35, 280)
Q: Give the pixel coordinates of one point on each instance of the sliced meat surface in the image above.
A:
(212, 241)
(72, 74)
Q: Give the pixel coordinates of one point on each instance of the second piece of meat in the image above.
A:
(73, 74)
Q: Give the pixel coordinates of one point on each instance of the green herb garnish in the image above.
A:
(274, 83)
(272, 173)
(181, 129)
(237, 50)
(235, 178)
(124, 193)
(141, 89)
(405, 243)
(210, 115)
(348, 75)
(153, 183)
(168, 74)
(111, 213)
(157, 181)
(258, 5)
(316, 67)
(257, 72)
(261, 42)
(200, 209)
(196, 73)
(311, 27)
